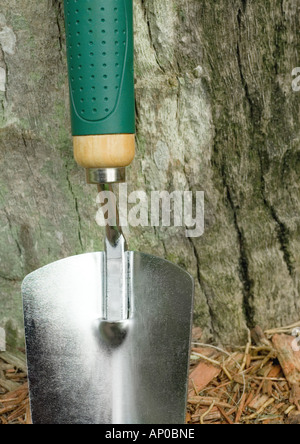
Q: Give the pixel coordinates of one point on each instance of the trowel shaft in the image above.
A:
(116, 303)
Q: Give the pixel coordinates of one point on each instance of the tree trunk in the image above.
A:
(216, 112)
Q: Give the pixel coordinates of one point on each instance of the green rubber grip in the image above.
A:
(100, 63)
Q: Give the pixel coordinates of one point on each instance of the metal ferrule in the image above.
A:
(105, 175)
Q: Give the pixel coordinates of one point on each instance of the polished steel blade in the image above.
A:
(83, 370)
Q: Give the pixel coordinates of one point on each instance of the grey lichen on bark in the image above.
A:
(215, 112)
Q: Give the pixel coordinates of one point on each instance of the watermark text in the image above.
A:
(296, 341)
(156, 209)
(296, 80)
(2, 340)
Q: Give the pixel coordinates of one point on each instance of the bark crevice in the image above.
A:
(10, 224)
(151, 40)
(59, 18)
(75, 199)
(9, 279)
(248, 294)
(202, 286)
(283, 234)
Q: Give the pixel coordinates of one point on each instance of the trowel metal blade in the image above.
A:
(75, 376)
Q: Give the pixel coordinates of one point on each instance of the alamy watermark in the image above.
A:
(296, 81)
(2, 340)
(296, 341)
(296, 88)
(156, 209)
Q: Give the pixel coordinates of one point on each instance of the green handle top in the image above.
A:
(100, 62)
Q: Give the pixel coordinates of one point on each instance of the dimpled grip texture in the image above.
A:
(100, 61)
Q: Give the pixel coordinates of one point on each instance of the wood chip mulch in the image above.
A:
(14, 402)
(255, 384)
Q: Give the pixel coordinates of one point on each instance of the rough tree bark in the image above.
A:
(215, 112)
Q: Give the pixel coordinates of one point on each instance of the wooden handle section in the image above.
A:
(104, 151)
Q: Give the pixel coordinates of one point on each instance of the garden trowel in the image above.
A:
(107, 333)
